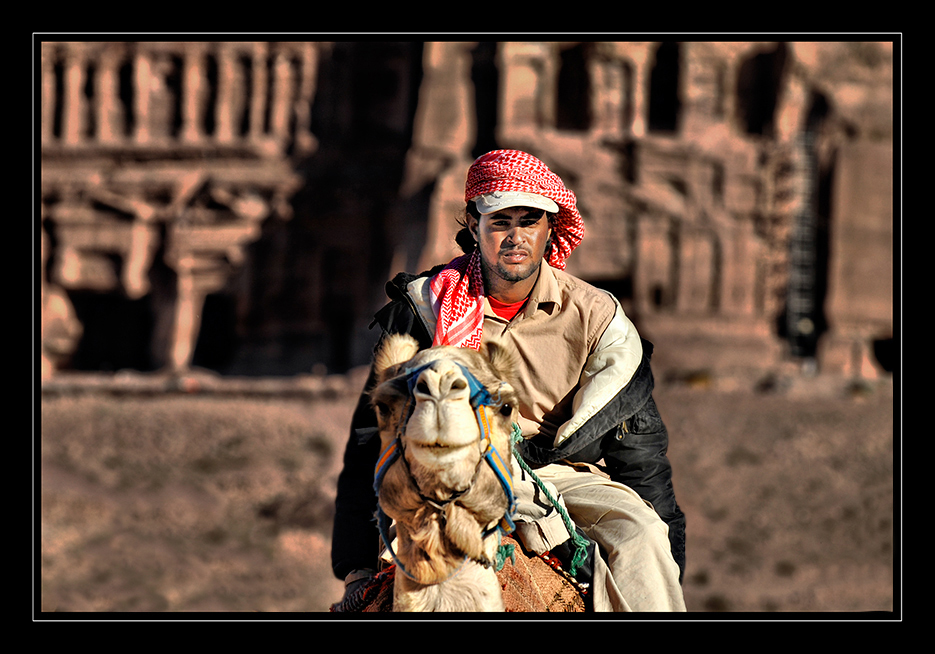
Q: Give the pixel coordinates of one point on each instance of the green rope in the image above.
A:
(581, 545)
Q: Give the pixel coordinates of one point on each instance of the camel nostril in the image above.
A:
(458, 384)
(422, 387)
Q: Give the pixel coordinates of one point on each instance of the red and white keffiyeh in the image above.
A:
(457, 291)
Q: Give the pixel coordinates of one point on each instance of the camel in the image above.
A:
(445, 419)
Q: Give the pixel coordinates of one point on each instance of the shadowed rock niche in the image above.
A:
(160, 164)
(737, 196)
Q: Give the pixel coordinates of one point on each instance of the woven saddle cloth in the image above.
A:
(529, 585)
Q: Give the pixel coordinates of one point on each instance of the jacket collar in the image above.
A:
(545, 294)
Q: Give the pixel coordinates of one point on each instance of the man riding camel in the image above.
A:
(591, 430)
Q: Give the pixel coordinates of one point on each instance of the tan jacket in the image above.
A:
(577, 346)
(588, 386)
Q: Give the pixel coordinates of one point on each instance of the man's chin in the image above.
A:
(517, 272)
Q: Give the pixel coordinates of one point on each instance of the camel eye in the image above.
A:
(382, 408)
(506, 409)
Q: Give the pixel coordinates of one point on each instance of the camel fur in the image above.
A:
(442, 494)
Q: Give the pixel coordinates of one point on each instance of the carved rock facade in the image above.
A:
(737, 196)
(160, 162)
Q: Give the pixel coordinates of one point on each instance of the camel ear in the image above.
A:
(395, 349)
(501, 359)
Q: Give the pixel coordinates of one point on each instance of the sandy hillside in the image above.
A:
(201, 502)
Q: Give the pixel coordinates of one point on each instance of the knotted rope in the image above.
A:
(581, 545)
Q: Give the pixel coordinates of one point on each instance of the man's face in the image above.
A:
(512, 243)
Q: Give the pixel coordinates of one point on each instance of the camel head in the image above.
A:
(444, 495)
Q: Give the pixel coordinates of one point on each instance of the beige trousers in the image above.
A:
(639, 573)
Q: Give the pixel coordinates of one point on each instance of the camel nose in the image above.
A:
(443, 380)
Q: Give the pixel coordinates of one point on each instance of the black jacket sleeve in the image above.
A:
(635, 455)
(355, 541)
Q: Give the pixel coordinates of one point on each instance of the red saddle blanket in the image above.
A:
(529, 585)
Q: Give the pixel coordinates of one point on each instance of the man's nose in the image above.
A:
(515, 235)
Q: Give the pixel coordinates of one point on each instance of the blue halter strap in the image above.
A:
(481, 402)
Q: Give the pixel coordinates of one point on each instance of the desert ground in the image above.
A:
(198, 501)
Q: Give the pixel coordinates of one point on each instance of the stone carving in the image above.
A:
(683, 155)
(175, 151)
